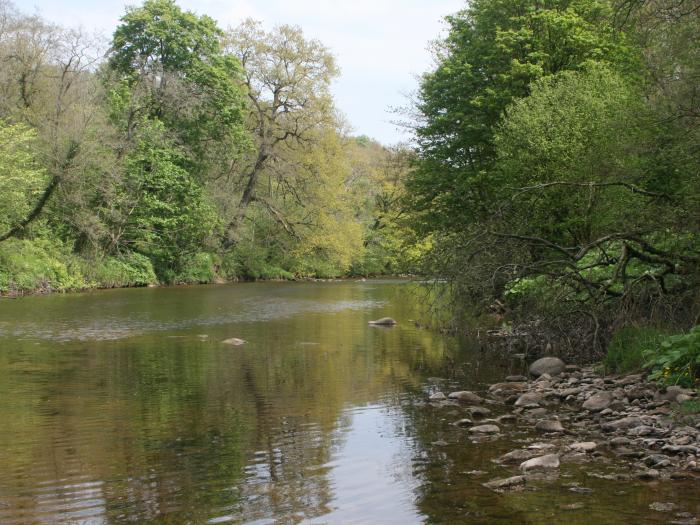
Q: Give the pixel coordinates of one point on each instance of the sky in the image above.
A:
(381, 46)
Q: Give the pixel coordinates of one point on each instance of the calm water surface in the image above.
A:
(124, 406)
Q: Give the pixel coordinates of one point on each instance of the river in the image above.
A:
(124, 406)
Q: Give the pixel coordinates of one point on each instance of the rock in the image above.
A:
(438, 396)
(572, 506)
(598, 402)
(529, 398)
(479, 412)
(622, 424)
(671, 393)
(507, 483)
(662, 507)
(630, 380)
(648, 475)
(508, 388)
(586, 446)
(547, 365)
(549, 461)
(682, 398)
(516, 456)
(464, 423)
(485, 429)
(384, 321)
(516, 379)
(536, 412)
(549, 426)
(619, 441)
(465, 396)
(234, 341)
(506, 418)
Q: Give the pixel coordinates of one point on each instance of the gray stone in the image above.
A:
(547, 365)
(234, 341)
(529, 398)
(549, 426)
(508, 388)
(516, 379)
(586, 446)
(598, 402)
(517, 456)
(467, 397)
(478, 412)
(507, 483)
(550, 461)
(384, 321)
(622, 424)
(438, 396)
(464, 423)
(485, 429)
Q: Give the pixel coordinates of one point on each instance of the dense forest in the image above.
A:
(553, 179)
(179, 152)
(558, 148)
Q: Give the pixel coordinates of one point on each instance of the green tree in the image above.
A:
(494, 50)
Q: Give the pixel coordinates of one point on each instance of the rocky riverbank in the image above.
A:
(574, 414)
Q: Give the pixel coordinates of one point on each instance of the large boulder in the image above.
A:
(547, 365)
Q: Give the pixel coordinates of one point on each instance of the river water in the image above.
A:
(124, 406)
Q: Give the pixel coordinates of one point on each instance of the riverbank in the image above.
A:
(622, 428)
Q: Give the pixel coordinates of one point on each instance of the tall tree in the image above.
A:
(288, 79)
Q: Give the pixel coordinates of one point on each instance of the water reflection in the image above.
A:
(124, 407)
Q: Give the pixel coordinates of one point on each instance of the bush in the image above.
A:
(28, 266)
(132, 269)
(676, 359)
(198, 269)
(626, 349)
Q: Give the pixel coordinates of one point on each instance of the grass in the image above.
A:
(625, 352)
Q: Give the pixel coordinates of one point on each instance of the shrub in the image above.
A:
(626, 349)
(676, 360)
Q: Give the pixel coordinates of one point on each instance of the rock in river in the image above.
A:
(234, 341)
(507, 483)
(384, 321)
(437, 396)
(542, 462)
(547, 426)
(465, 396)
(485, 429)
(547, 365)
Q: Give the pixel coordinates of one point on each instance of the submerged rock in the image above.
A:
(516, 456)
(547, 365)
(234, 341)
(384, 321)
(506, 483)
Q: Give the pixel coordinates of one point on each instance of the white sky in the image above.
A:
(380, 45)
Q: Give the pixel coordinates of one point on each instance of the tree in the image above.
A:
(287, 79)
(169, 66)
(494, 50)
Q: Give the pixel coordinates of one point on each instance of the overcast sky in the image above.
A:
(380, 45)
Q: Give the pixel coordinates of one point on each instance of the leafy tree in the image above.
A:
(288, 79)
(494, 50)
(21, 177)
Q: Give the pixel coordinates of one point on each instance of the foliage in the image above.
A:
(626, 350)
(676, 359)
(21, 175)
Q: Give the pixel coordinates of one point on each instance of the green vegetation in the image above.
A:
(676, 359)
(188, 154)
(557, 172)
(628, 347)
